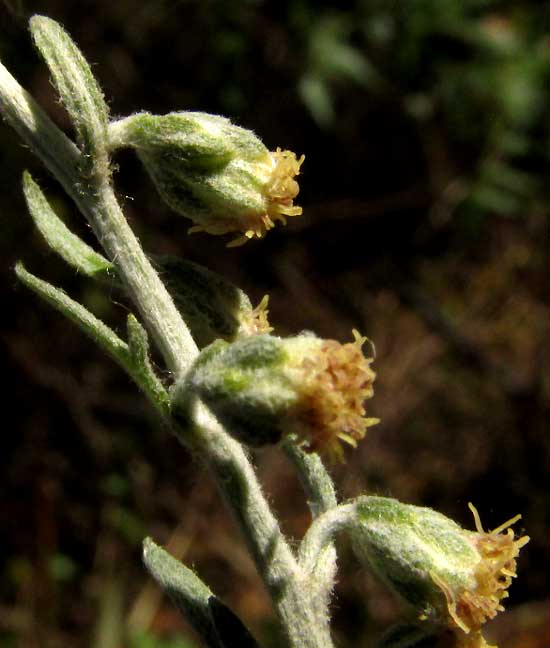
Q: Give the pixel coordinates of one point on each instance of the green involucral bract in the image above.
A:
(245, 385)
(407, 545)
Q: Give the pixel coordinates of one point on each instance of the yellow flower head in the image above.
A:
(279, 193)
(455, 579)
(217, 174)
(265, 388)
(265, 196)
(255, 321)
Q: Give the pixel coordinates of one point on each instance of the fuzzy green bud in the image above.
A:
(211, 306)
(454, 578)
(264, 388)
(219, 175)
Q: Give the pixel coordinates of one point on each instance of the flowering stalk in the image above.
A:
(96, 199)
(246, 386)
(455, 580)
(89, 185)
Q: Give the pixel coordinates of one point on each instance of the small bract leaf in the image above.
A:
(70, 247)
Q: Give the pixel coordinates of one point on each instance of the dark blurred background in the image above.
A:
(426, 128)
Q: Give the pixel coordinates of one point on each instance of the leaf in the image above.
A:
(105, 337)
(70, 247)
(230, 629)
(133, 359)
(317, 98)
(211, 306)
(75, 83)
(215, 623)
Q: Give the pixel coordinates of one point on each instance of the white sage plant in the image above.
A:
(233, 383)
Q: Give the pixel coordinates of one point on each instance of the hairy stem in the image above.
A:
(321, 498)
(99, 204)
(323, 531)
(303, 620)
(36, 129)
(314, 477)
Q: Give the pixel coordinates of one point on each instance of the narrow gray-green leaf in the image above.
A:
(105, 337)
(70, 247)
(215, 623)
(138, 343)
(189, 594)
(75, 83)
(232, 633)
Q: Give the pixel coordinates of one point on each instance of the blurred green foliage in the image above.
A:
(476, 71)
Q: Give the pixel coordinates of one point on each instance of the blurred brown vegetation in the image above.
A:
(426, 130)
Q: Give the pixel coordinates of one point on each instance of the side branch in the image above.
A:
(322, 531)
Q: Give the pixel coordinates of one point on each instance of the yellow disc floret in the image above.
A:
(279, 192)
(255, 321)
(471, 608)
(336, 381)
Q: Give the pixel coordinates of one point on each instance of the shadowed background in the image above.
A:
(426, 128)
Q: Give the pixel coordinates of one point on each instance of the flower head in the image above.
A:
(217, 174)
(455, 579)
(264, 388)
(254, 321)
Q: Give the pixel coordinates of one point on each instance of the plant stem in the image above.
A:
(36, 129)
(302, 618)
(99, 204)
(323, 530)
(321, 498)
(304, 624)
(314, 477)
